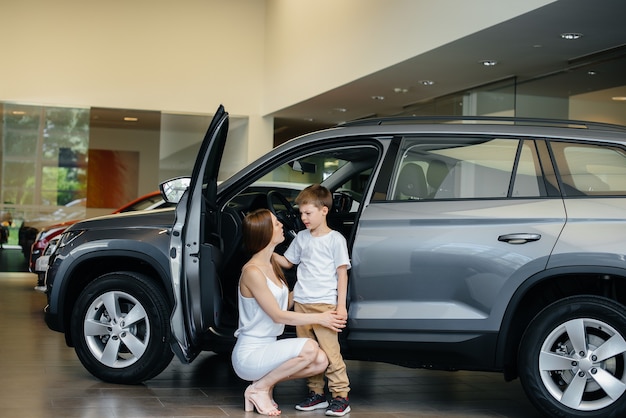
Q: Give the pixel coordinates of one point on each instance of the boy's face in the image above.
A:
(312, 216)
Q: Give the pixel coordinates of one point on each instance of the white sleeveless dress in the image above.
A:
(258, 351)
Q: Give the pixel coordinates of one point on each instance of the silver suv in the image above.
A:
(495, 245)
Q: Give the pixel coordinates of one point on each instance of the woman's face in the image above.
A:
(278, 235)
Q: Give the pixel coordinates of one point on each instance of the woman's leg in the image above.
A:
(311, 360)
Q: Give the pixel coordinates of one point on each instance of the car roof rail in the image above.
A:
(508, 120)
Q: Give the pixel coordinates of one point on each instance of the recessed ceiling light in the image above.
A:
(591, 72)
(488, 63)
(378, 97)
(130, 119)
(426, 82)
(619, 98)
(340, 109)
(571, 35)
(400, 90)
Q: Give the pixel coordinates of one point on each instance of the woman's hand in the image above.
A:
(332, 320)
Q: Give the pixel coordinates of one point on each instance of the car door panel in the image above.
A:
(446, 261)
(195, 247)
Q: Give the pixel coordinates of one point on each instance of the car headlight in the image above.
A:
(68, 236)
(51, 247)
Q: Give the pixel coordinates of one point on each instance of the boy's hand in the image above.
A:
(342, 312)
(282, 261)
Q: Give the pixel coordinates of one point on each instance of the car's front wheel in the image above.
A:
(120, 327)
(572, 358)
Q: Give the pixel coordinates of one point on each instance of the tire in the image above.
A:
(572, 358)
(112, 349)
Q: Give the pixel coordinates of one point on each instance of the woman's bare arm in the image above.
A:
(253, 283)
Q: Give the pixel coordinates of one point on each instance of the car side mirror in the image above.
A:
(172, 190)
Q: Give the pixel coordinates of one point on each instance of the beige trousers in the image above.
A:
(338, 382)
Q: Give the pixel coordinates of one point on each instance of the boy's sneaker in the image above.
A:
(312, 402)
(338, 407)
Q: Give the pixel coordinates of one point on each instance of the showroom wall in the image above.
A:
(188, 56)
(185, 58)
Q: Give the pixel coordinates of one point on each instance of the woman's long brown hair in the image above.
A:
(258, 230)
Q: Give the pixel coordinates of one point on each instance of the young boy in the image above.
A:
(322, 282)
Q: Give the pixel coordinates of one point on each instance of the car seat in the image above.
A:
(411, 184)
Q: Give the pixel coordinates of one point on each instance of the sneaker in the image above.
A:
(41, 289)
(312, 402)
(338, 407)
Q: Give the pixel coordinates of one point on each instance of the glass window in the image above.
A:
(590, 169)
(343, 170)
(455, 169)
(43, 157)
(528, 178)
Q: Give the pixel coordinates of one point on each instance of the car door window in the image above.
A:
(462, 169)
(590, 169)
(528, 174)
(342, 169)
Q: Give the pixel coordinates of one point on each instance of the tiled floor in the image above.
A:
(41, 377)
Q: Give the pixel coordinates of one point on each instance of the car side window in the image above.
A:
(464, 168)
(528, 175)
(590, 169)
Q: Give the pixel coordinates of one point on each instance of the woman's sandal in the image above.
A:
(253, 399)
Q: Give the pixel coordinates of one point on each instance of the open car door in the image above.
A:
(196, 247)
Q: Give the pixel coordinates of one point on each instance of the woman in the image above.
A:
(264, 298)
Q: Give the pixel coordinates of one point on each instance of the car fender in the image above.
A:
(67, 268)
(602, 265)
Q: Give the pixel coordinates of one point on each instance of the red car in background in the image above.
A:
(150, 201)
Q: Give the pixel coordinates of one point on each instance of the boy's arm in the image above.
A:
(282, 261)
(342, 291)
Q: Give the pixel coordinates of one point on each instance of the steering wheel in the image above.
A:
(285, 213)
(342, 202)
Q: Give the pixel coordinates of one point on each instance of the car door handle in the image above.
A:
(519, 238)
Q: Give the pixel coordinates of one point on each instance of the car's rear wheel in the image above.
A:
(572, 358)
(120, 328)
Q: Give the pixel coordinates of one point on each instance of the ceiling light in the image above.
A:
(426, 82)
(18, 112)
(591, 72)
(378, 97)
(400, 90)
(488, 63)
(340, 109)
(619, 98)
(130, 119)
(571, 35)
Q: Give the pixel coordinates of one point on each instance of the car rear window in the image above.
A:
(466, 168)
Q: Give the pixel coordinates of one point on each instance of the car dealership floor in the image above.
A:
(42, 377)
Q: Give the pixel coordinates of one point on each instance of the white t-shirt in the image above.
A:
(318, 259)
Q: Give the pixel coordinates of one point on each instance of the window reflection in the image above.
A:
(43, 158)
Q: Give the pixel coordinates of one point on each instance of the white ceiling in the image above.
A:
(525, 47)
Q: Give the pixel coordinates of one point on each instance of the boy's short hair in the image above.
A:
(316, 195)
